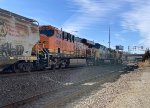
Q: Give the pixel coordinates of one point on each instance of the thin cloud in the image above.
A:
(138, 19)
(119, 37)
(88, 12)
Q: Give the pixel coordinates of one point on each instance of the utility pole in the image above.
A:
(109, 36)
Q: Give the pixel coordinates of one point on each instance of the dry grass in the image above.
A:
(143, 64)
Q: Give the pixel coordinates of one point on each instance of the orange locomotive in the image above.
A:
(57, 47)
(56, 41)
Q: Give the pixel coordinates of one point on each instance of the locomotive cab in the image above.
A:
(51, 39)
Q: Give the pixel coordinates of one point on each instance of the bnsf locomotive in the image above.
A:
(24, 46)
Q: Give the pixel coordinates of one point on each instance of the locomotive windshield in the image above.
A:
(48, 33)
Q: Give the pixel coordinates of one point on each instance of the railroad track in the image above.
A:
(39, 72)
(53, 103)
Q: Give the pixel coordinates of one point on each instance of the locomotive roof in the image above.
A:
(77, 39)
(90, 42)
(5, 12)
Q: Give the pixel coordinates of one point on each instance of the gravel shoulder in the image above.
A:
(138, 94)
(131, 90)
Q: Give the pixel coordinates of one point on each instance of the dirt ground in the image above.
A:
(131, 90)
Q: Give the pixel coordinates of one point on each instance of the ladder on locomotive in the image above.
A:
(42, 51)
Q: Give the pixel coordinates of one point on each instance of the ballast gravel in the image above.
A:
(17, 88)
(131, 90)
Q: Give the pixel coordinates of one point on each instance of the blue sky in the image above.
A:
(129, 19)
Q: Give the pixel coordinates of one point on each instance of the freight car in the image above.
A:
(18, 35)
(108, 55)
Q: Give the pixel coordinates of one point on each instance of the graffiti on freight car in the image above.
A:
(8, 50)
(3, 29)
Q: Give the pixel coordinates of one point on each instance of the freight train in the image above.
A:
(26, 46)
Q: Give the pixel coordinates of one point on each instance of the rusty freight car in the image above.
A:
(18, 35)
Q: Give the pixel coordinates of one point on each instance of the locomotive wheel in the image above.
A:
(52, 66)
(67, 65)
(27, 67)
(15, 68)
(63, 64)
(58, 66)
(57, 63)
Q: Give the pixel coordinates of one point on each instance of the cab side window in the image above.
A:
(65, 36)
(48, 33)
(58, 35)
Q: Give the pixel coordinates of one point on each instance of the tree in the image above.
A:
(146, 55)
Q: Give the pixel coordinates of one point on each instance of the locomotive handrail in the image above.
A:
(41, 49)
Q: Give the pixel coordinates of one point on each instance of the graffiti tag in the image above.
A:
(3, 29)
(8, 50)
